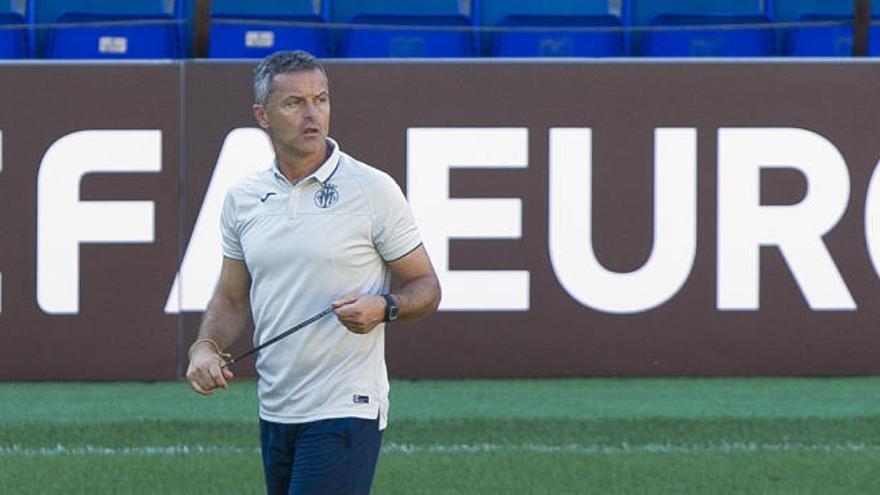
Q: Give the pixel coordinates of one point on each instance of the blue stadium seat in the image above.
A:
(345, 11)
(15, 33)
(150, 21)
(695, 36)
(108, 36)
(793, 10)
(831, 37)
(493, 12)
(643, 12)
(237, 36)
(590, 36)
(256, 28)
(403, 28)
(831, 33)
(692, 41)
(404, 36)
(13, 36)
(590, 21)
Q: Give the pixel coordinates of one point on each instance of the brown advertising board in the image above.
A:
(87, 137)
(536, 187)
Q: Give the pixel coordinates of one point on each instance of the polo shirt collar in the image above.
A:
(328, 168)
(322, 174)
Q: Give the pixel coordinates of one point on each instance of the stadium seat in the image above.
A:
(643, 12)
(238, 36)
(823, 27)
(402, 36)
(108, 28)
(690, 40)
(590, 36)
(793, 10)
(345, 11)
(13, 36)
(516, 28)
(15, 33)
(255, 29)
(695, 36)
(107, 36)
(403, 28)
(831, 36)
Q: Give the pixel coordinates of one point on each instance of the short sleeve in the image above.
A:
(394, 230)
(230, 238)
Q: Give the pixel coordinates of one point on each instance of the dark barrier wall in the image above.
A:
(586, 219)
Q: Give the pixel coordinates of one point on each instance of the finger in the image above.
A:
(218, 378)
(205, 377)
(199, 374)
(354, 310)
(198, 388)
(356, 327)
(205, 381)
(346, 319)
(344, 300)
(227, 373)
(346, 312)
(191, 378)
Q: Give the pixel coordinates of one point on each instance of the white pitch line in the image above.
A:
(174, 450)
(458, 449)
(721, 448)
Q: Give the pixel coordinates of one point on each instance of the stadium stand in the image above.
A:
(106, 29)
(551, 28)
(125, 29)
(697, 28)
(404, 29)
(14, 32)
(257, 28)
(832, 32)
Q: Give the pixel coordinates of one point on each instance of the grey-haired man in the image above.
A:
(316, 228)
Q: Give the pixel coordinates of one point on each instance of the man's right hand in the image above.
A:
(206, 372)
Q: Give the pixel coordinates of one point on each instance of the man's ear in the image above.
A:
(260, 115)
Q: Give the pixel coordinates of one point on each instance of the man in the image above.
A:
(316, 229)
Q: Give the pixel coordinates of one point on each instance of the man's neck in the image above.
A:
(296, 167)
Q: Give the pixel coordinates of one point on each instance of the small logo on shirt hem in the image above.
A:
(361, 399)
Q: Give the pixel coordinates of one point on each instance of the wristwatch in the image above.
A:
(392, 311)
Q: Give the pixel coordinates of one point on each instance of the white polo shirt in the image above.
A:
(305, 245)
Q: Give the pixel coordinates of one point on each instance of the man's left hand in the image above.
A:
(360, 313)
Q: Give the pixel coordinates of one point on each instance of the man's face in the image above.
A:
(297, 112)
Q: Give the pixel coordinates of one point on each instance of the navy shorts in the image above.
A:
(331, 456)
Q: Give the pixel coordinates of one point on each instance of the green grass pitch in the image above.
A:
(767, 435)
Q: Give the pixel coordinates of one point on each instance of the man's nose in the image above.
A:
(311, 109)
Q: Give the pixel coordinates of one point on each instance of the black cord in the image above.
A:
(298, 326)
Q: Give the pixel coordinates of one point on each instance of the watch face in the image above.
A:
(391, 308)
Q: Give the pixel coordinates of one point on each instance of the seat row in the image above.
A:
(108, 29)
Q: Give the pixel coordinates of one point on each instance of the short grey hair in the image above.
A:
(281, 63)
